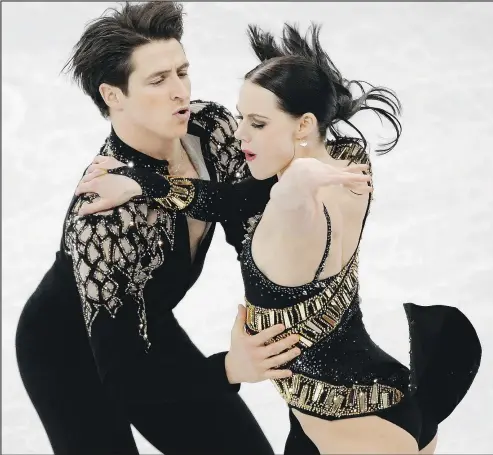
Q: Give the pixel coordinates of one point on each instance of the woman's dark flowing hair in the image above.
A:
(304, 79)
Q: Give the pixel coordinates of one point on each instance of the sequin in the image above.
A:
(181, 194)
(96, 258)
(122, 243)
(336, 374)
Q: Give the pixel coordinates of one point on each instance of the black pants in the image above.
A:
(81, 418)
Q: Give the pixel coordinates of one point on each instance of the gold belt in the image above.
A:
(325, 399)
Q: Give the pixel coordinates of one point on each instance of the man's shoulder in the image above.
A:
(217, 126)
(210, 116)
(208, 108)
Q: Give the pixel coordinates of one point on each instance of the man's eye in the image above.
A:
(157, 82)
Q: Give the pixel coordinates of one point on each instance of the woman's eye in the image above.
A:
(254, 125)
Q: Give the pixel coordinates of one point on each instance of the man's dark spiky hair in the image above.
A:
(103, 53)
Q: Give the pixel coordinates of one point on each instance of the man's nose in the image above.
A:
(179, 90)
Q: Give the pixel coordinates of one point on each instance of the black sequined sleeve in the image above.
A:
(231, 166)
(113, 258)
(202, 199)
(231, 200)
(236, 195)
(231, 204)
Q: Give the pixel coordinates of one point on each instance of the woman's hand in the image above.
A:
(113, 190)
(307, 175)
(251, 360)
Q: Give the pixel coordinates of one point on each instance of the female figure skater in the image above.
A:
(300, 259)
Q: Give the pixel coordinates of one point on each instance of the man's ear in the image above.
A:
(111, 95)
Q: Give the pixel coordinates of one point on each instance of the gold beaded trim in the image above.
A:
(314, 318)
(180, 195)
(326, 399)
(352, 151)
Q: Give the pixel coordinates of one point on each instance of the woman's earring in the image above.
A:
(303, 143)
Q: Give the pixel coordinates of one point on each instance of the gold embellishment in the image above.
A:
(322, 398)
(181, 194)
(314, 318)
(352, 151)
(96, 255)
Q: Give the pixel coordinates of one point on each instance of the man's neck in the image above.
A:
(147, 143)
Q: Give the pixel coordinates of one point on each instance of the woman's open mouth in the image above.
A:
(249, 155)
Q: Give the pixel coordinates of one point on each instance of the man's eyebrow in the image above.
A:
(182, 67)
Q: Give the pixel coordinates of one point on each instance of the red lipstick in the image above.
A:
(250, 156)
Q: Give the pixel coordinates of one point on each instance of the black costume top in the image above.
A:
(341, 372)
(129, 271)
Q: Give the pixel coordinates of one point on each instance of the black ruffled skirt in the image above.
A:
(445, 358)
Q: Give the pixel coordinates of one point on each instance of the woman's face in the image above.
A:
(267, 134)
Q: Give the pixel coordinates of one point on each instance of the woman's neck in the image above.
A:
(318, 151)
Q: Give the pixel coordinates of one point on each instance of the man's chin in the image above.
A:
(173, 131)
(181, 130)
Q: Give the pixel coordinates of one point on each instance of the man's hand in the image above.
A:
(251, 360)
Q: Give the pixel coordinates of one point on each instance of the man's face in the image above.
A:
(157, 88)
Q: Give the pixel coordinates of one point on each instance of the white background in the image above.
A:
(428, 239)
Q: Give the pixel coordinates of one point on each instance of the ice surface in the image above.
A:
(429, 237)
